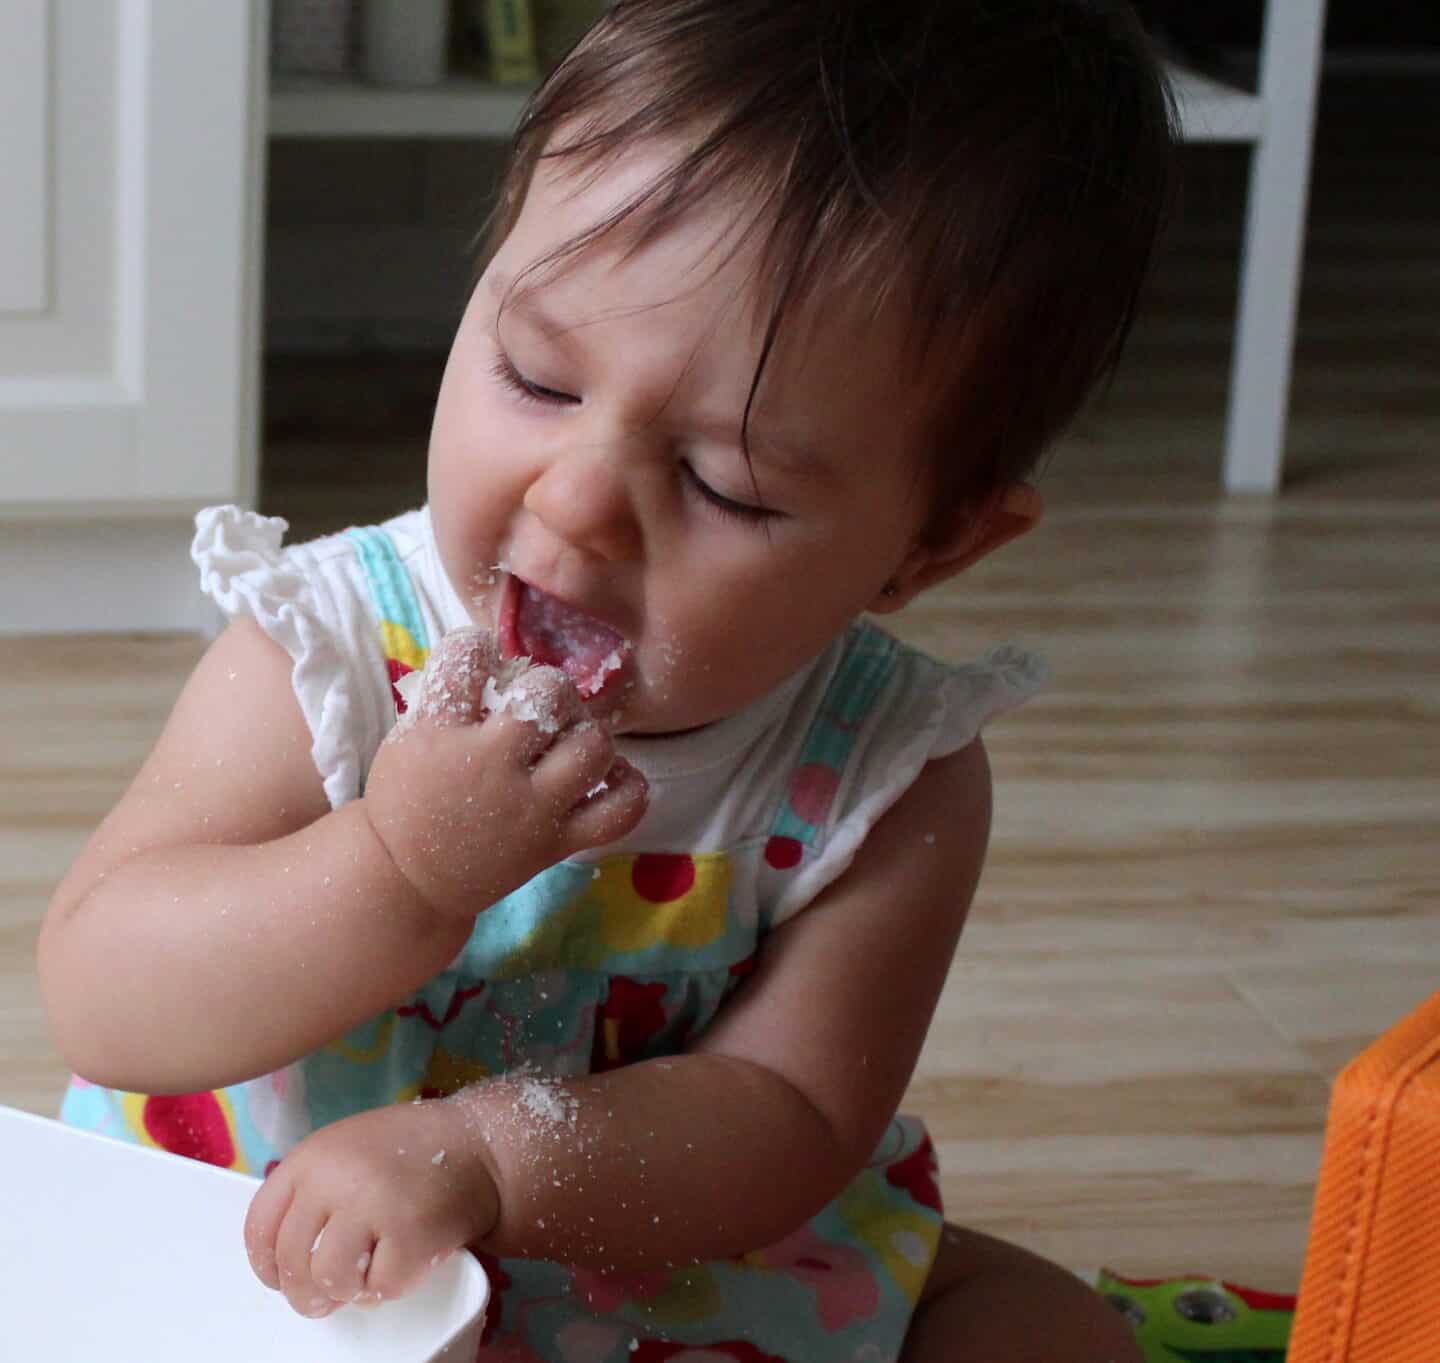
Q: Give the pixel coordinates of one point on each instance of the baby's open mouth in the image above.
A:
(537, 625)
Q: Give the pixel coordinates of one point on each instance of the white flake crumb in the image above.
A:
(319, 1238)
(549, 1104)
(612, 662)
(363, 1262)
(438, 1157)
(528, 692)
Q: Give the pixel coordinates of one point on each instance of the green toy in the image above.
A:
(1201, 1320)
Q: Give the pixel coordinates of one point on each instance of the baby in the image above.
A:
(607, 947)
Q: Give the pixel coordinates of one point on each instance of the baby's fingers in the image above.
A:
(536, 708)
(611, 809)
(452, 687)
(342, 1263)
(402, 1262)
(262, 1225)
(306, 1227)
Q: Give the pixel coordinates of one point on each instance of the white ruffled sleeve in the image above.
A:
(973, 694)
(291, 596)
(928, 710)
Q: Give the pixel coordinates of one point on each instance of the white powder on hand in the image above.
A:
(448, 687)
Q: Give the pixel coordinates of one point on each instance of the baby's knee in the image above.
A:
(988, 1299)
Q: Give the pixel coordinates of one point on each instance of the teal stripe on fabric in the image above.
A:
(389, 582)
(869, 661)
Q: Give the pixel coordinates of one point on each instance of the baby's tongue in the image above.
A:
(550, 631)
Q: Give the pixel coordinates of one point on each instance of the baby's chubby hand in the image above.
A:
(361, 1210)
(479, 789)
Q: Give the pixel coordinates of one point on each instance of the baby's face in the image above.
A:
(587, 442)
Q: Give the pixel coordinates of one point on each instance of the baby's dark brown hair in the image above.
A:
(1002, 168)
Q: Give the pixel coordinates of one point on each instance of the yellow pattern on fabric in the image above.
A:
(690, 1294)
(868, 1208)
(610, 916)
(631, 922)
(567, 939)
(366, 1054)
(610, 1034)
(448, 1073)
(400, 644)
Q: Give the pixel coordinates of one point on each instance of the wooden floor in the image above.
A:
(1215, 872)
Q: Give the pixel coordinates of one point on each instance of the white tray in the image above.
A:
(115, 1251)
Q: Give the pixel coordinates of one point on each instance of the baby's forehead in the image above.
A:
(827, 330)
(573, 229)
(614, 214)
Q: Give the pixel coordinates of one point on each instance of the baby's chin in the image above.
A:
(633, 714)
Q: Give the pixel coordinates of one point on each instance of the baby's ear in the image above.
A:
(1015, 512)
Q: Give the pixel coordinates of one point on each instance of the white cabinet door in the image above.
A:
(130, 153)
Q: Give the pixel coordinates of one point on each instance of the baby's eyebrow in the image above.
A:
(526, 302)
(788, 457)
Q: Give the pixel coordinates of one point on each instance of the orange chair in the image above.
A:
(1370, 1292)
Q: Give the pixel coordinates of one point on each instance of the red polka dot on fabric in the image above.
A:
(812, 788)
(783, 853)
(662, 877)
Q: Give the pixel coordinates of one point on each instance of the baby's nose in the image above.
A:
(583, 499)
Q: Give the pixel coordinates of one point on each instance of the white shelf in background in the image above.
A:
(458, 107)
(468, 107)
(1213, 112)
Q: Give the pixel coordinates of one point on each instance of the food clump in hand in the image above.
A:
(467, 678)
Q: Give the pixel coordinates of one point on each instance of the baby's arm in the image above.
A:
(705, 1155)
(223, 921)
(730, 1147)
